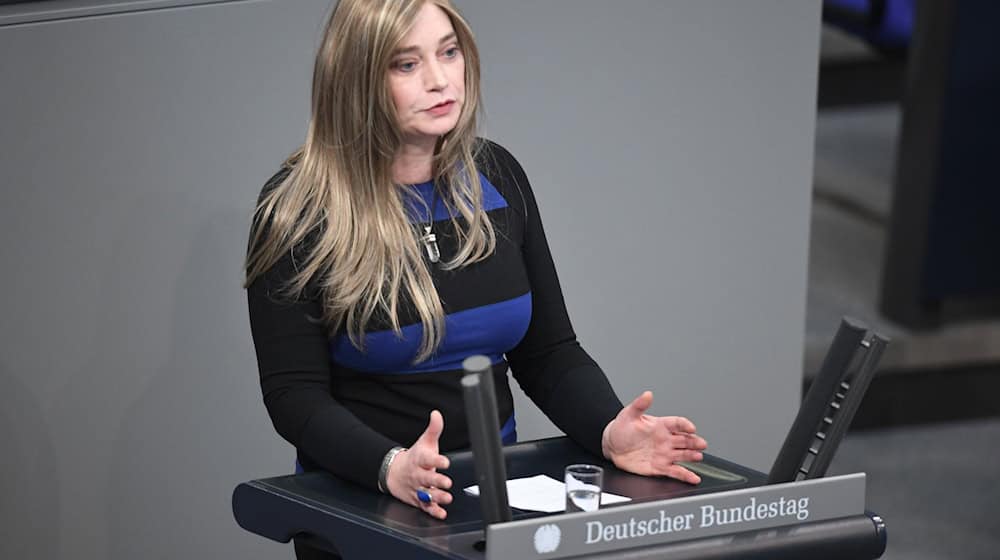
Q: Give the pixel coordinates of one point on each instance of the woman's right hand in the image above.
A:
(415, 470)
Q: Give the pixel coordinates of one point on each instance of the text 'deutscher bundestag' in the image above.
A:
(652, 523)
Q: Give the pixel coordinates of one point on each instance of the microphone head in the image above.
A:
(477, 364)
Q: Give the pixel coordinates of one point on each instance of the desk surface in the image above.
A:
(322, 495)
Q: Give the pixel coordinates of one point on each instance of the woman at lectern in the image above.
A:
(393, 244)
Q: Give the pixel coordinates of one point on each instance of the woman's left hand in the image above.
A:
(651, 445)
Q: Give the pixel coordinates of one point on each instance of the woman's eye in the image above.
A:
(451, 52)
(405, 66)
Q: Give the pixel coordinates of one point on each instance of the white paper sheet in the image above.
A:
(542, 493)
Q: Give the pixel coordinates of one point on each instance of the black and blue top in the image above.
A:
(344, 408)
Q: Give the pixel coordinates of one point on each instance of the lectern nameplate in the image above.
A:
(652, 523)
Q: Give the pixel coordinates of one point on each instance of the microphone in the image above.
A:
(484, 435)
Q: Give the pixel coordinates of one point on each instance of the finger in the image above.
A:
(680, 441)
(425, 496)
(689, 455)
(680, 455)
(440, 496)
(640, 405)
(686, 441)
(431, 479)
(680, 473)
(679, 424)
(436, 511)
(696, 442)
(433, 431)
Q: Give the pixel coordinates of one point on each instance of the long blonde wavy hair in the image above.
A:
(339, 204)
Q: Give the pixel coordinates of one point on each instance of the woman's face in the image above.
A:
(427, 78)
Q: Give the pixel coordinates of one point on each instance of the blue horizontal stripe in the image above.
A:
(490, 330)
(492, 200)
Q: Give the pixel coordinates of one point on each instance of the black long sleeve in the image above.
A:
(295, 377)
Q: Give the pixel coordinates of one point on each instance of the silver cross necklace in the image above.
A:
(428, 238)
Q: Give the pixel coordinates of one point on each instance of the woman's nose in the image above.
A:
(434, 77)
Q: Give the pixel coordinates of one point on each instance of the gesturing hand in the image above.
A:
(651, 445)
(415, 470)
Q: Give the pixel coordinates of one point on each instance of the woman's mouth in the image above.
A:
(442, 108)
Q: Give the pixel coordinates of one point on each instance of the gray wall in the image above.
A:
(669, 144)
